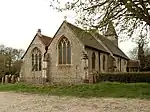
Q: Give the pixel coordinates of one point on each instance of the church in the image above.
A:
(72, 54)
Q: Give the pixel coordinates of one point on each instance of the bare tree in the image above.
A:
(142, 53)
(128, 15)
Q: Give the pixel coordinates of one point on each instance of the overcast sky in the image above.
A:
(20, 19)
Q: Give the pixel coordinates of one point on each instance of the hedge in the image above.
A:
(128, 77)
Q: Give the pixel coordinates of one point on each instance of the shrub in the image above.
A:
(128, 77)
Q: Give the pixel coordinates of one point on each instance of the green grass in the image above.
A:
(105, 89)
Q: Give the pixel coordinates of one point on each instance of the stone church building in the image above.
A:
(72, 54)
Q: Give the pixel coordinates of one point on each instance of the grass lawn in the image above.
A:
(105, 89)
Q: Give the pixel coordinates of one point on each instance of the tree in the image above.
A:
(133, 53)
(2, 64)
(16, 67)
(128, 15)
(10, 59)
(142, 53)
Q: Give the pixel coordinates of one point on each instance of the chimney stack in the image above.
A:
(39, 32)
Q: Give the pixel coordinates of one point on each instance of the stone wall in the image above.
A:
(26, 68)
(121, 64)
(98, 60)
(58, 73)
(73, 72)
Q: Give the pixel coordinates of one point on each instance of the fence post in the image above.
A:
(19, 79)
(44, 80)
(13, 79)
(95, 78)
(2, 80)
(6, 78)
(91, 79)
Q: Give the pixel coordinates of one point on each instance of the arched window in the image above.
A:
(36, 62)
(64, 51)
(60, 53)
(36, 59)
(93, 60)
(68, 53)
(104, 62)
(32, 59)
(40, 64)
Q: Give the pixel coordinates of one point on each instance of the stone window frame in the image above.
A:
(36, 56)
(64, 45)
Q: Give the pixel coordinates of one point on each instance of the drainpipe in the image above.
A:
(46, 49)
(44, 74)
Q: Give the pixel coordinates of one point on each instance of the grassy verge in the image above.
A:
(106, 89)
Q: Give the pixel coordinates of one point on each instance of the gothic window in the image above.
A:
(32, 59)
(93, 60)
(68, 53)
(64, 51)
(40, 64)
(60, 53)
(104, 62)
(36, 59)
(36, 62)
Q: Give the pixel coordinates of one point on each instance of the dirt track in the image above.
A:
(23, 102)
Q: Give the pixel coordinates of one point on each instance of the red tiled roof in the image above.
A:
(45, 40)
(133, 63)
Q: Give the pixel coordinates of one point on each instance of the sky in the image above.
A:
(20, 20)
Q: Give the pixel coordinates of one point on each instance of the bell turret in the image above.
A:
(111, 33)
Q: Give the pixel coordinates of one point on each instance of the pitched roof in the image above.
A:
(87, 39)
(112, 47)
(44, 39)
(133, 63)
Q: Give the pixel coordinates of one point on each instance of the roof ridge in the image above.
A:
(45, 39)
(46, 36)
(100, 41)
(80, 28)
(75, 26)
(85, 37)
(114, 49)
(87, 32)
(113, 44)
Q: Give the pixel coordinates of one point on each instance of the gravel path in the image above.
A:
(23, 102)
